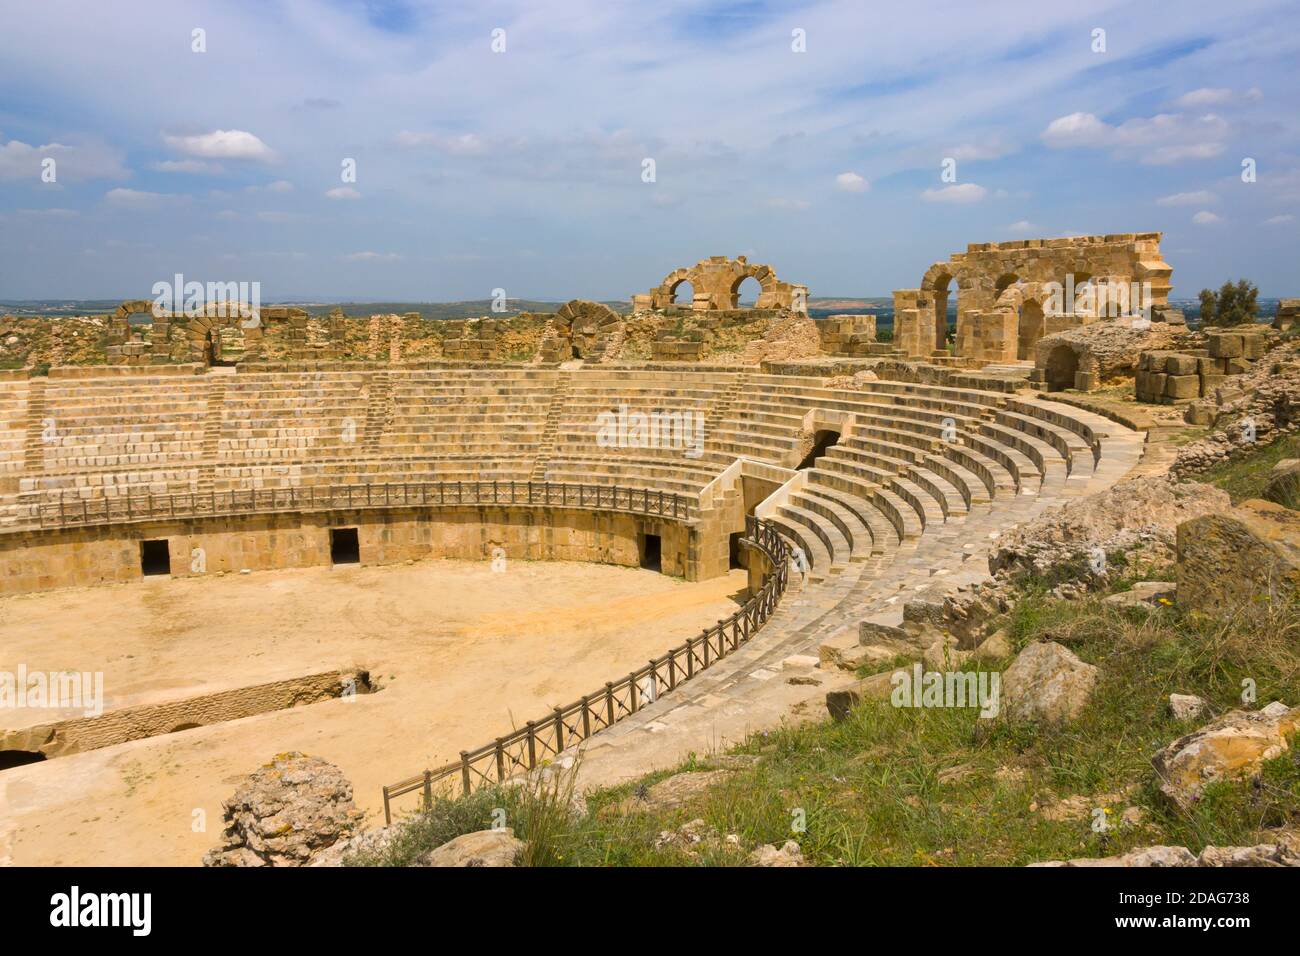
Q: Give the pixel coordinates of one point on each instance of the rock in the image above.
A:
(1186, 706)
(689, 834)
(1159, 856)
(1143, 592)
(1232, 747)
(1275, 709)
(1141, 514)
(943, 655)
(1262, 855)
(368, 841)
(1047, 682)
(481, 848)
(997, 645)
(1283, 486)
(285, 813)
(1238, 555)
(673, 792)
(876, 687)
(768, 855)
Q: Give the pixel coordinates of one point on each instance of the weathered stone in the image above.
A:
(1241, 555)
(1283, 486)
(767, 855)
(876, 687)
(286, 812)
(1143, 592)
(1263, 854)
(481, 848)
(1047, 682)
(1232, 747)
(673, 792)
(1186, 706)
(1154, 856)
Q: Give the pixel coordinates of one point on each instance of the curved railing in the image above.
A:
(75, 511)
(538, 741)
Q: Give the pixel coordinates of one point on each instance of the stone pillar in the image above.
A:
(913, 326)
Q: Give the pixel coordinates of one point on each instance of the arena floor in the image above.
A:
(449, 643)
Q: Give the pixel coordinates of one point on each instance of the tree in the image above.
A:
(1233, 304)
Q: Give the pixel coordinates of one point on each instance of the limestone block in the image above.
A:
(1182, 386)
(1247, 554)
(1181, 365)
(1225, 345)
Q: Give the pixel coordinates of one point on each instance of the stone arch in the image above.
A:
(766, 286)
(587, 326)
(715, 283)
(1028, 301)
(938, 284)
(1060, 367)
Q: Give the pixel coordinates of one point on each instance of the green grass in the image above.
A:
(1246, 477)
(869, 788)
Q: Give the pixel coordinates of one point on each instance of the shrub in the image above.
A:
(1233, 304)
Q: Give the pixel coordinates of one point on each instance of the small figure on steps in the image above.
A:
(799, 562)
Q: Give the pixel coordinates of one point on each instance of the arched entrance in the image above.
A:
(1032, 327)
(1062, 363)
(745, 293)
(683, 294)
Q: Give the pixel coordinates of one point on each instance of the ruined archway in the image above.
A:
(715, 283)
(1060, 368)
(586, 327)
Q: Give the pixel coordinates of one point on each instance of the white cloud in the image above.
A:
(1206, 218)
(222, 144)
(53, 213)
(1076, 129)
(1279, 220)
(88, 160)
(278, 186)
(343, 192)
(1022, 225)
(1154, 141)
(1217, 96)
(962, 193)
(1198, 198)
(851, 182)
(993, 147)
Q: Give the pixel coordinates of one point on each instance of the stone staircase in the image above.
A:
(550, 430)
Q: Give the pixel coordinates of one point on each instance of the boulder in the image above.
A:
(1265, 854)
(286, 813)
(876, 687)
(1232, 747)
(1141, 514)
(1238, 556)
(673, 792)
(1047, 682)
(1283, 486)
(768, 855)
(997, 645)
(1143, 592)
(1186, 706)
(1161, 856)
(481, 848)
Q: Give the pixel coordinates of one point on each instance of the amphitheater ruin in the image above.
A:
(251, 532)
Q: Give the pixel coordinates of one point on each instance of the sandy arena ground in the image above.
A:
(462, 655)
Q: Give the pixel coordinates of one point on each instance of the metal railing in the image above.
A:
(76, 511)
(530, 746)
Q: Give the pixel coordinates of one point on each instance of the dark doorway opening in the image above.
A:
(735, 552)
(179, 727)
(821, 441)
(19, 758)
(155, 557)
(344, 546)
(1062, 364)
(651, 552)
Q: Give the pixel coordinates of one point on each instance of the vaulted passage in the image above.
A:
(344, 546)
(823, 440)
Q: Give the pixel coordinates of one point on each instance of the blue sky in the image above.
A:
(522, 170)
